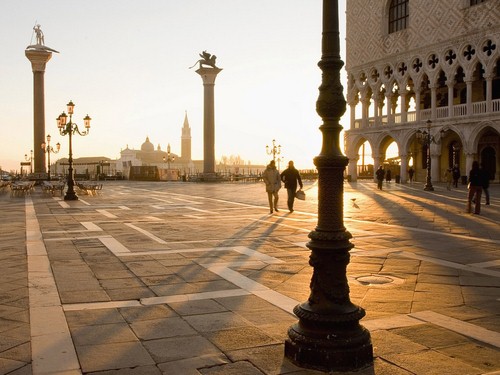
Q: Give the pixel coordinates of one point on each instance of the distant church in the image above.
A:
(152, 164)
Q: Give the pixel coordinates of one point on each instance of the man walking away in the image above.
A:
(291, 178)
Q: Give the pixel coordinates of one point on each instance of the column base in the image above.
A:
(345, 348)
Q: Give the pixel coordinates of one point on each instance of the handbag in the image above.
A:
(300, 195)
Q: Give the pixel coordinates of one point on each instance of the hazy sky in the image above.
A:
(125, 63)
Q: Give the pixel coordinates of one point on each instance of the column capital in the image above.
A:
(208, 75)
(38, 59)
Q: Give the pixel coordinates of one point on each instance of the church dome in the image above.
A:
(147, 146)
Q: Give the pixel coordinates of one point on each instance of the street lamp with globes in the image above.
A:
(273, 150)
(30, 159)
(47, 148)
(70, 128)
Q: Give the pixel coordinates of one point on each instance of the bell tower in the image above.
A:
(186, 140)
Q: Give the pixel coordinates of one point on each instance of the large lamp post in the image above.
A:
(425, 137)
(30, 159)
(47, 148)
(273, 150)
(70, 128)
(328, 336)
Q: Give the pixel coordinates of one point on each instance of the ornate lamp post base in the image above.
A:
(345, 347)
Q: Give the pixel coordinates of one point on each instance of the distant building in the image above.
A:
(410, 62)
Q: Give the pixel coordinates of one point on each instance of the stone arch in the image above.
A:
(354, 143)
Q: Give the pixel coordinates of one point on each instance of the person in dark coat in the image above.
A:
(388, 176)
(380, 177)
(456, 175)
(476, 181)
(411, 172)
(291, 178)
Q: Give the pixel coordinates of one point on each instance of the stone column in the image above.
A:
(38, 59)
(451, 84)
(404, 106)
(352, 168)
(489, 92)
(403, 168)
(208, 76)
(469, 97)
(433, 102)
(417, 104)
(376, 110)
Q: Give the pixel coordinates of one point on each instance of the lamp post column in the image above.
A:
(428, 140)
(328, 336)
(69, 129)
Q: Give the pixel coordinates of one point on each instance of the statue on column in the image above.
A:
(40, 41)
(39, 35)
(206, 59)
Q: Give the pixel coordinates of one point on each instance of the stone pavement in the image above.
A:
(184, 278)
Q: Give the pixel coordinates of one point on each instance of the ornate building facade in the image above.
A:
(418, 65)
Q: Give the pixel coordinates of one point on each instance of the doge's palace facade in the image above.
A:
(412, 64)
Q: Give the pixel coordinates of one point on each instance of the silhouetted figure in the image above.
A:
(272, 179)
(291, 178)
(456, 175)
(411, 172)
(380, 174)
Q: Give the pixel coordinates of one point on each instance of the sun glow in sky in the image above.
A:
(125, 63)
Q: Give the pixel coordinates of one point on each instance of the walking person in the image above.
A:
(291, 178)
(388, 176)
(475, 188)
(456, 175)
(411, 172)
(272, 179)
(448, 177)
(380, 177)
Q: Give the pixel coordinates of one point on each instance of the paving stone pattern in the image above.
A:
(184, 278)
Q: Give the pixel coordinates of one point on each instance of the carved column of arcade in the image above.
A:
(435, 161)
(404, 105)
(403, 168)
(433, 88)
(489, 88)
(328, 336)
(353, 102)
(365, 105)
(394, 105)
(451, 85)
(381, 108)
(417, 103)
(469, 159)
(469, 96)
(352, 168)
(38, 59)
(388, 101)
(376, 110)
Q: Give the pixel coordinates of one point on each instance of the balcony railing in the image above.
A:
(459, 110)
